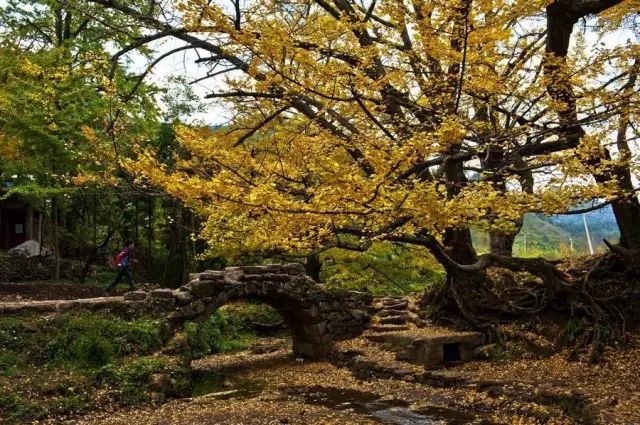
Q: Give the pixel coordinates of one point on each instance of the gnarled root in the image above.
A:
(595, 316)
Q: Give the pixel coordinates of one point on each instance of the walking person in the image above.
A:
(123, 262)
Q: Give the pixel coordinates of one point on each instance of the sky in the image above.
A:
(183, 64)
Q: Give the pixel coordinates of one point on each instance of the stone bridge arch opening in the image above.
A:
(308, 332)
(315, 316)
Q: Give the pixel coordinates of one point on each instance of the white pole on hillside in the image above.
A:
(571, 245)
(586, 230)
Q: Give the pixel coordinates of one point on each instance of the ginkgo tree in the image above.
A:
(409, 121)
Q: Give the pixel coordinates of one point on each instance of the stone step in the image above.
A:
(391, 301)
(391, 312)
(396, 306)
(389, 328)
(385, 299)
(393, 320)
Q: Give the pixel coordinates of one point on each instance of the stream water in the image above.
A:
(396, 412)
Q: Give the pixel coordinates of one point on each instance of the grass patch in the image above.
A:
(55, 366)
(80, 361)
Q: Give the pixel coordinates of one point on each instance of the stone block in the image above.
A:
(204, 288)
(182, 296)
(212, 275)
(138, 305)
(233, 274)
(135, 296)
(358, 314)
(163, 293)
(312, 310)
(293, 268)
(334, 316)
(271, 268)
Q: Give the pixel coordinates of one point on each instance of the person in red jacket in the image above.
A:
(123, 262)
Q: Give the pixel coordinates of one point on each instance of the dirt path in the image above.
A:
(48, 290)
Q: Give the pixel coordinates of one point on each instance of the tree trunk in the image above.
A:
(501, 243)
(56, 239)
(459, 246)
(93, 256)
(313, 267)
(627, 209)
(627, 213)
(561, 17)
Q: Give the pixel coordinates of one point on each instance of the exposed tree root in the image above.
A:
(592, 296)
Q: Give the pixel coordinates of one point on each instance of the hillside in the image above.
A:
(552, 236)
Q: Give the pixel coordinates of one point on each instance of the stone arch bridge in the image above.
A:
(315, 316)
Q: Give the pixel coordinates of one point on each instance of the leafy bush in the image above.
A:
(93, 340)
(13, 333)
(91, 350)
(220, 333)
(131, 378)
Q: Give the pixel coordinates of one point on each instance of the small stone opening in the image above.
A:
(451, 352)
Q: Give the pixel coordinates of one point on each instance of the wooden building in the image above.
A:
(19, 222)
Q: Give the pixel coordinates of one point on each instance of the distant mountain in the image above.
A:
(553, 236)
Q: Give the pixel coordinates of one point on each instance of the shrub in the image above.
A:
(131, 378)
(220, 333)
(93, 340)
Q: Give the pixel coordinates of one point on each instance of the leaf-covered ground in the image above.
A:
(526, 391)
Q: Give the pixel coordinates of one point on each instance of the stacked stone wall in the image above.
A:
(15, 268)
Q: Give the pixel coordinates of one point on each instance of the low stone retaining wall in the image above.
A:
(15, 268)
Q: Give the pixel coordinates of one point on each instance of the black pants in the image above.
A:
(124, 272)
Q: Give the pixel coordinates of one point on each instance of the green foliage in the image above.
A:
(84, 340)
(10, 362)
(131, 378)
(14, 407)
(385, 269)
(94, 340)
(52, 366)
(220, 333)
(249, 312)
